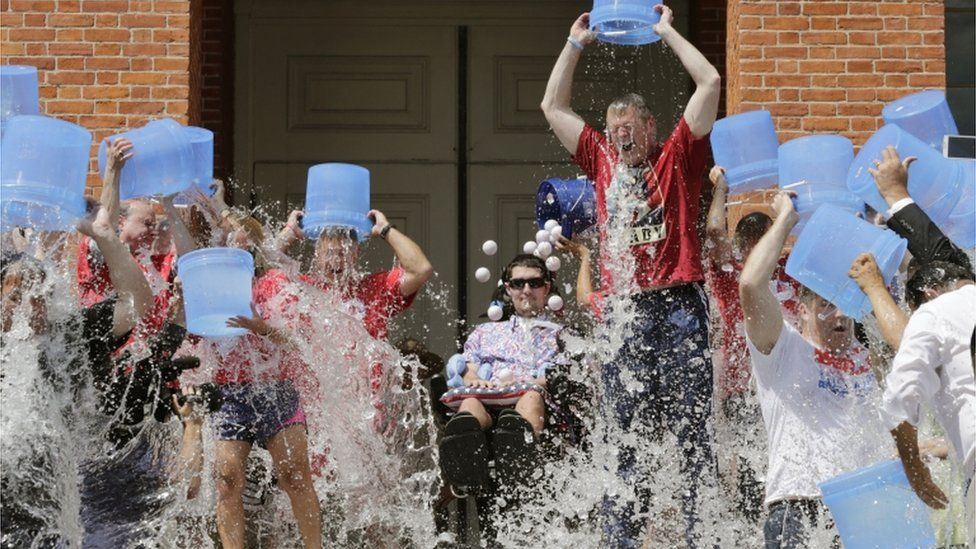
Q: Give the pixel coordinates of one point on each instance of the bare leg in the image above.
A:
(474, 407)
(532, 407)
(231, 459)
(289, 452)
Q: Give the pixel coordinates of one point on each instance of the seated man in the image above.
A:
(518, 352)
(816, 389)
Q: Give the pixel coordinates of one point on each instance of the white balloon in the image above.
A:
(550, 224)
(544, 249)
(482, 274)
(555, 303)
(542, 236)
(553, 263)
(490, 247)
(505, 375)
(529, 247)
(556, 231)
(495, 313)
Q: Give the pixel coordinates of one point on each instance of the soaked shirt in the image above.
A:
(821, 414)
(526, 346)
(375, 300)
(655, 204)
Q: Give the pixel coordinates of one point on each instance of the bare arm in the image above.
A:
(763, 318)
(116, 155)
(565, 123)
(702, 107)
(891, 319)
(584, 280)
(906, 439)
(134, 299)
(189, 460)
(290, 233)
(181, 235)
(416, 268)
(717, 245)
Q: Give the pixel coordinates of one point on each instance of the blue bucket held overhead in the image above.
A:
(747, 147)
(571, 202)
(815, 168)
(18, 92)
(831, 240)
(875, 507)
(337, 196)
(925, 115)
(625, 22)
(934, 182)
(216, 286)
(162, 160)
(961, 225)
(202, 146)
(43, 169)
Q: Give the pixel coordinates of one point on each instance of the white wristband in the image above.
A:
(575, 43)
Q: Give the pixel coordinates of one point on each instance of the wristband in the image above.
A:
(386, 230)
(575, 43)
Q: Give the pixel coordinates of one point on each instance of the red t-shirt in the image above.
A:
(663, 235)
(723, 281)
(376, 299)
(254, 357)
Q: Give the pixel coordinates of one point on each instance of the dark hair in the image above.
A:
(934, 275)
(340, 232)
(530, 261)
(751, 227)
(631, 100)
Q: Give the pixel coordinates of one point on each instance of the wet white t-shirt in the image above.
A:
(821, 419)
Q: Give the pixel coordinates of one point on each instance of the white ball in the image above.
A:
(553, 263)
(490, 247)
(544, 249)
(542, 236)
(495, 313)
(482, 274)
(550, 224)
(556, 231)
(529, 247)
(555, 303)
(505, 375)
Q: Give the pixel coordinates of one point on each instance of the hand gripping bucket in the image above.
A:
(337, 196)
(625, 22)
(162, 160)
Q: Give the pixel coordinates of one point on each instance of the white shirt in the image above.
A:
(934, 365)
(820, 420)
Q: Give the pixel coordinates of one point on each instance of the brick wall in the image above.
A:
(216, 51)
(103, 64)
(829, 66)
(708, 34)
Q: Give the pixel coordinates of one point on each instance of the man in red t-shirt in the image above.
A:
(647, 210)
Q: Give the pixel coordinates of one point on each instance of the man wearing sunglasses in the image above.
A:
(647, 196)
(518, 351)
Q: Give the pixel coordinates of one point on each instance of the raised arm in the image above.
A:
(717, 245)
(181, 235)
(290, 233)
(116, 155)
(584, 280)
(566, 124)
(134, 299)
(417, 269)
(763, 318)
(702, 107)
(891, 319)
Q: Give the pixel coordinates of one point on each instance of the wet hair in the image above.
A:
(530, 261)
(340, 232)
(804, 294)
(751, 228)
(935, 275)
(631, 100)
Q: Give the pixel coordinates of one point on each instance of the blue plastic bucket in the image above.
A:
(961, 226)
(831, 240)
(925, 115)
(625, 22)
(875, 508)
(43, 169)
(202, 144)
(216, 286)
(337, 196)
(934, 182)
(162, 160)
(815, 168)
(18, 92)
(809, 199)
(571, 202)
(747, 147)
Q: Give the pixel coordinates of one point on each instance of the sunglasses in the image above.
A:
(519, 283)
